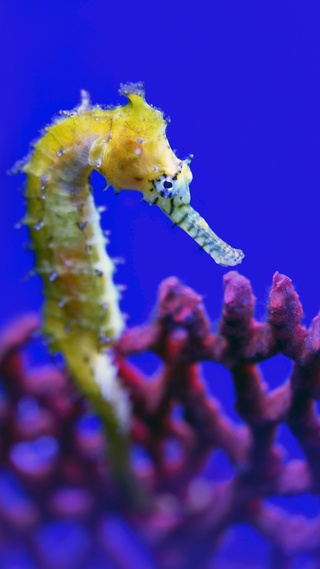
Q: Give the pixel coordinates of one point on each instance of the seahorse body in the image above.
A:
(128, 146)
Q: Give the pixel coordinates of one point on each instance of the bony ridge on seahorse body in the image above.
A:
(128, 146)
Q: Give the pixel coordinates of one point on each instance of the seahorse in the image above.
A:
(128, 146)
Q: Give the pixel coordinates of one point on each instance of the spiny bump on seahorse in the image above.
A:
(82, 319)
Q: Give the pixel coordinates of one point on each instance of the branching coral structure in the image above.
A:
(60, 507)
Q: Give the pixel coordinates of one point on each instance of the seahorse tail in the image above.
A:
(97, 379)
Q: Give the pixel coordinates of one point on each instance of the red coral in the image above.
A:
(53, 464)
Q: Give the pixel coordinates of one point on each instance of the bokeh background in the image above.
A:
(241, 84)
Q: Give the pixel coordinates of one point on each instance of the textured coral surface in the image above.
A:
(60, 508)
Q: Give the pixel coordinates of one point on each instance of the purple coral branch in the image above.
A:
(187, 514)
(241, 343)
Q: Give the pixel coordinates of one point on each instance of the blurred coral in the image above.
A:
(60, 508)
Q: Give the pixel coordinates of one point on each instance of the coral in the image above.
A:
(60, 508)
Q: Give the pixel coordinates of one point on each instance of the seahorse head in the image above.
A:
(137, 154)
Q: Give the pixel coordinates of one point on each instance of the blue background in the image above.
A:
(240, 81)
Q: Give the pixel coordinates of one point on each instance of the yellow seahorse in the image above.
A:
(128, 146)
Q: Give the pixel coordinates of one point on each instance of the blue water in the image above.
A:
(241, 83)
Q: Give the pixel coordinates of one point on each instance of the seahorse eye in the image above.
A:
(175, 186)
(165, 186)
